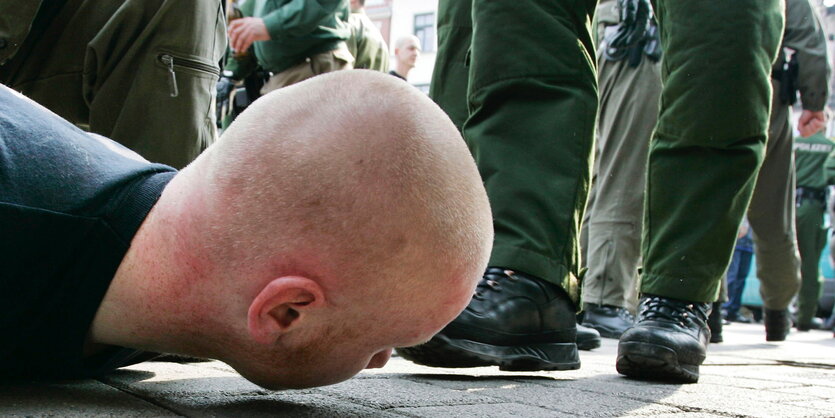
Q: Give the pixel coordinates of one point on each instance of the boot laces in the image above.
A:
(681, 312)
(492, 281)
(626, 315)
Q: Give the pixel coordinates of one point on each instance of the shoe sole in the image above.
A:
(654, 362)
(589, 344)
(442, 351)
(604, 332)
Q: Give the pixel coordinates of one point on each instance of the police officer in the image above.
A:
(294, 40)
(366, 43)
(529, 117)
(141, 72)
(772, 205)
(810, 154)
(630, 86)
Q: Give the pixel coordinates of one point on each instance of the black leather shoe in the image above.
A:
(714, 322)
(814, 323)
(610, 321)
(777, 324)
(587, 338)
(738, 317)
(669, 342)
(515, 321)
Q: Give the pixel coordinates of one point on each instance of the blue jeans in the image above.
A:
(737, 272)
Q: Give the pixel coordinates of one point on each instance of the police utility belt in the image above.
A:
(802, 194)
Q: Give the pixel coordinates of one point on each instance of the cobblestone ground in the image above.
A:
(744, 376)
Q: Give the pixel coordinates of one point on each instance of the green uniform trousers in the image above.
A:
(771, 213)
(531, 98)
(709, 140)
(811, 238)
(628, 110)
(141, 72)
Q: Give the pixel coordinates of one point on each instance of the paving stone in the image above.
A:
(681, 415)
(400, 393)
(215, 390)
(501, 410)
(708, 378)
(87, 398)
(820, 392)
(743, 402)
(824, 408)
(271, 405)
(784, 374)
(574, 401)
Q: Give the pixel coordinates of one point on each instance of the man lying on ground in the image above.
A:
(299, 249)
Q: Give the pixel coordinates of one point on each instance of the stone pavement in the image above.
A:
(744, 376)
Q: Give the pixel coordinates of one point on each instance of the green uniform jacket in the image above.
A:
(15, 22)
(829, 169)
(809, 156)
(299, 29)
(804, 35)
(367, 44)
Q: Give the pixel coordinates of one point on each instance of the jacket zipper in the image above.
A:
(171, 61)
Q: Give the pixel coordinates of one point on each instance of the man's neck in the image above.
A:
(149, 302)
(403, 70)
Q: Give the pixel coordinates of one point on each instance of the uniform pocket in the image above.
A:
(178, 64)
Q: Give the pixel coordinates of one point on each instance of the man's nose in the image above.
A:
(379, 360)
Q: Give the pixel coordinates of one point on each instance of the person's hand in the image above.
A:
(811, 122)
(244, 31)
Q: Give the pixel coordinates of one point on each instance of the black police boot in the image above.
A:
(714, 322)
(610, 321)
(814, 323)
(514, 321)
(669, 342)
(777, 324)
(587, 338)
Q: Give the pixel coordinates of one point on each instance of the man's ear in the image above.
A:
(281, 305)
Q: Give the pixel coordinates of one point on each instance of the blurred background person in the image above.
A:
(366, 43)
(294, 40)
(810, 153)
(406, 54)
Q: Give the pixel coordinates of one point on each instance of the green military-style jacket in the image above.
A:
(16, 19)
(299, 29)
(367, 44)
(809, 157)
(804, 35)
(828, 168)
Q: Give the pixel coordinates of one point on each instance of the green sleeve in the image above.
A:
(247, 7)
(300, 17)
(805, 36)
(16, 19)
(829, 169)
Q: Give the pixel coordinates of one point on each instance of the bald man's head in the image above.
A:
(375, 224)
(406, 52)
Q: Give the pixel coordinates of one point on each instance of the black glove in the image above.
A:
(634, 22)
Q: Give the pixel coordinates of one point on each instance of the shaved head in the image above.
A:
(379, 217)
